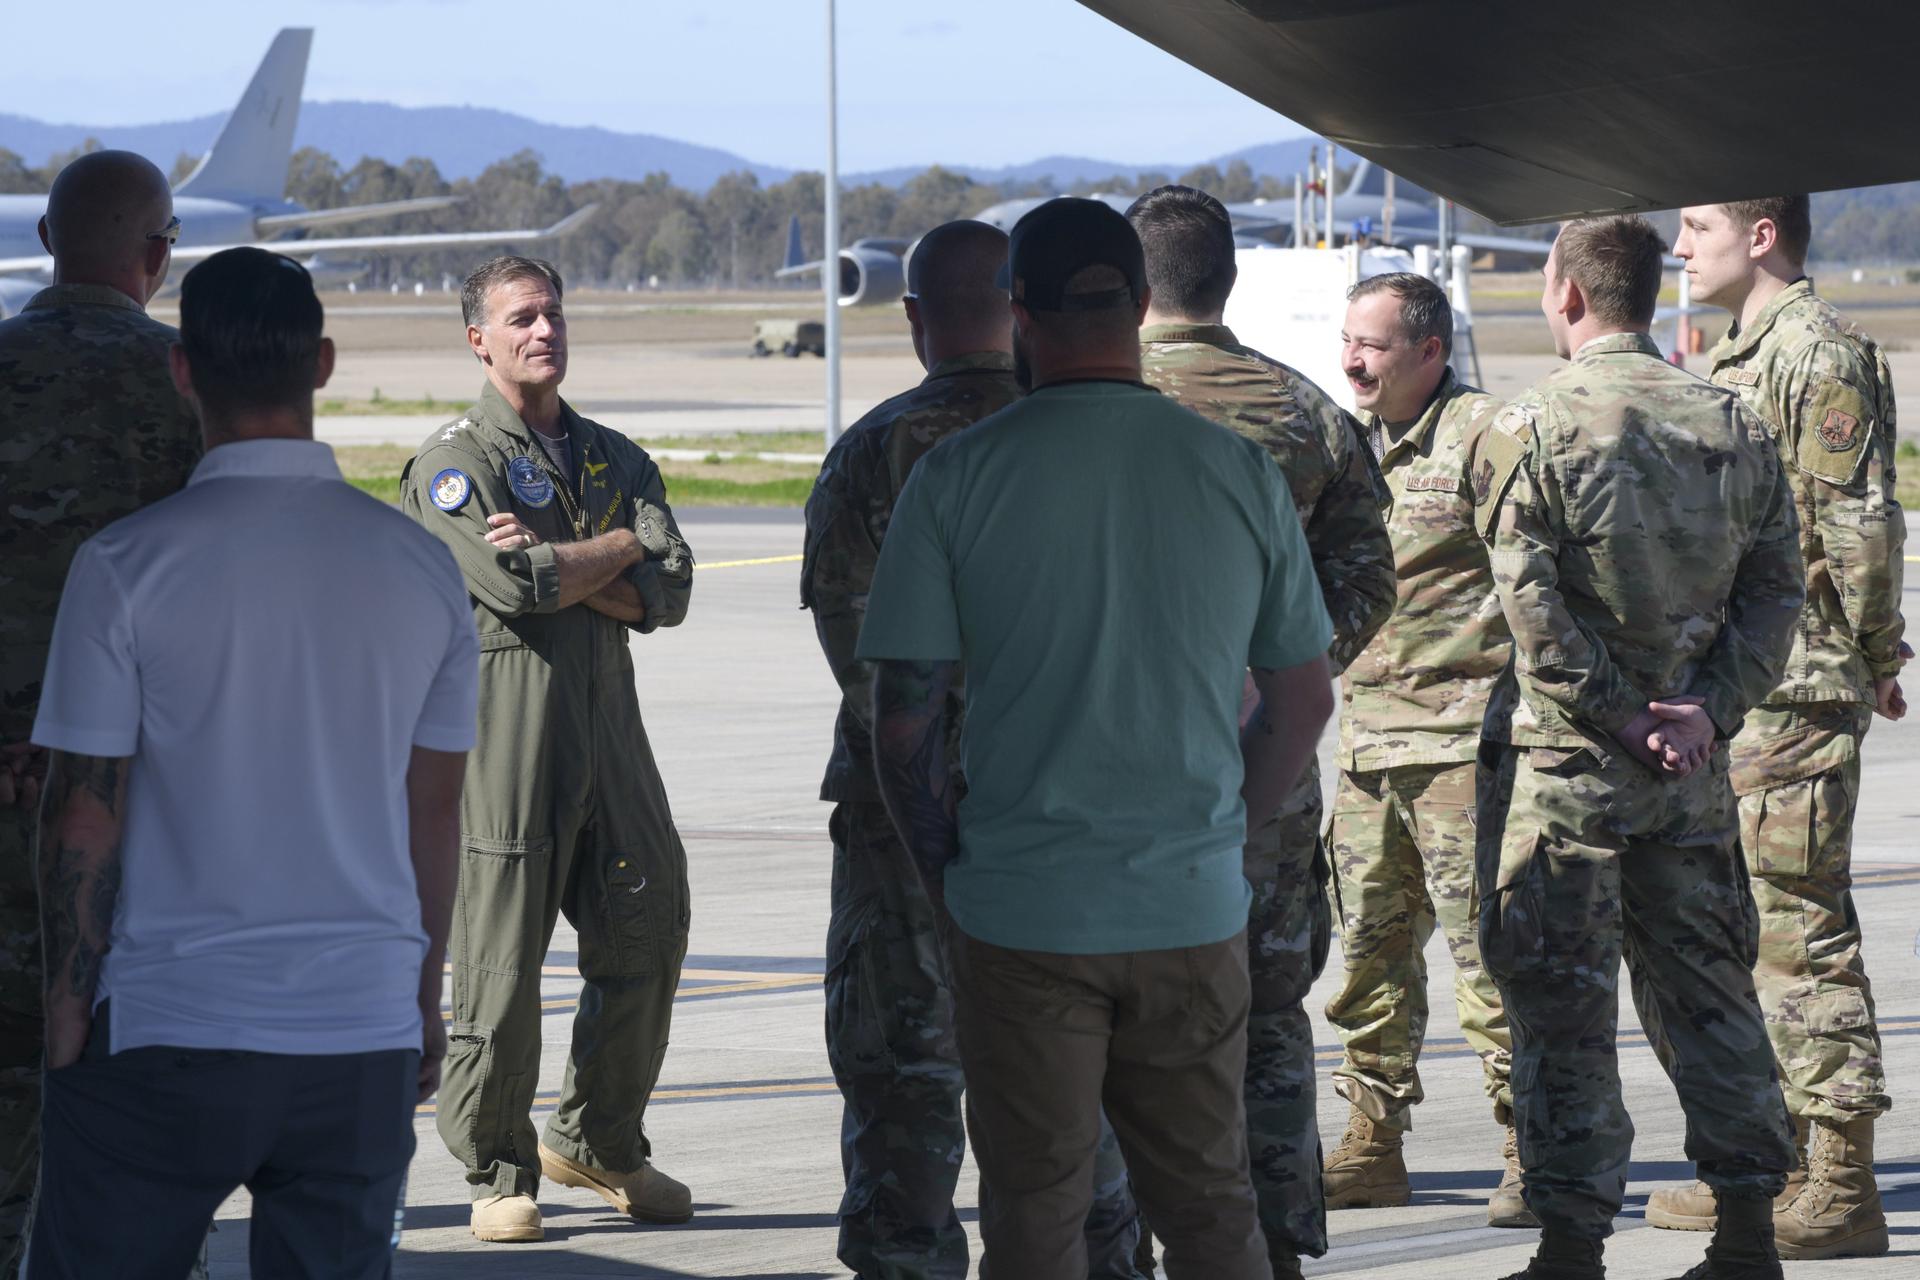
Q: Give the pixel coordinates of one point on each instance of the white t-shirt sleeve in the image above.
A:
(90, 699)
(448, 718)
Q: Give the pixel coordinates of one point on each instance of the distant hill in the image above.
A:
(1280, 159)
(464, 140)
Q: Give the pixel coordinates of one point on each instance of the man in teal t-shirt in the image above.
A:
(1107, 566)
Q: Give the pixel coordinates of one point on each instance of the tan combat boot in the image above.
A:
(1508, 1207)
(1838, 1213)
(507, 1220)
(646, 1194)
(1366, 1171)
(1692, 1208)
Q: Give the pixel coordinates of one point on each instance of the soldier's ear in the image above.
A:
(182, 372)
(477, 343)
(323, 366)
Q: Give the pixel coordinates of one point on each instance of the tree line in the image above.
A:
(734, 234)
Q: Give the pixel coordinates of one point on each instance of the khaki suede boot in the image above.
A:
(1367, 1170)
(646, 1194)
(1692, 1208)
(1564, 1257)
(1838, 1213)
(1742, 1246)
(1508, 1207)
(507, 1220)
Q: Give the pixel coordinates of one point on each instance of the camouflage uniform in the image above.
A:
(1824, 389)
(890, 1029)
(1402, 826)
(93, 431)
(1644, 545)
(1338, 490)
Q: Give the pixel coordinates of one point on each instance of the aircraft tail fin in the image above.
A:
(1369, 179)
(248, 161)
(796, 255)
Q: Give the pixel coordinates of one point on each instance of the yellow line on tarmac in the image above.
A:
(723, 989)
(802, 1089)
(741, 564)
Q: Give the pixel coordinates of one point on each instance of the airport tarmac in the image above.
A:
(654, 370)
(739, 708)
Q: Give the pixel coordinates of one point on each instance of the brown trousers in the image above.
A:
(1159, 1037)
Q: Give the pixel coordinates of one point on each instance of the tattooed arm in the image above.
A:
(1278, 739)
(910, 757)
(78, 863)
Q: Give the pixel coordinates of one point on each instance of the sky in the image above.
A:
(983, 82)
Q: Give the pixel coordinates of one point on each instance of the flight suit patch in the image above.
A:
(530, 483)
(1837, 430)
(451, 490)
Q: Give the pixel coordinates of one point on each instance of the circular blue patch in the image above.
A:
(530, 483)
(450, 489)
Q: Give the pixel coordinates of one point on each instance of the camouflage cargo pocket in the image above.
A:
(1794, 832)
(1512, 917)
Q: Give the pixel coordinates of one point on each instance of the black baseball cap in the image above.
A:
(1056, 241)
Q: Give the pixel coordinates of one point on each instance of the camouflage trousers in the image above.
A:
(1797, 772)
(1289, 930)
(1589, 860)
(1401, 840)
(896, 1059)
(21, 1035)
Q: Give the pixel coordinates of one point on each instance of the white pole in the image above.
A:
(1299, 214)
(1330, 209)
(830, 257)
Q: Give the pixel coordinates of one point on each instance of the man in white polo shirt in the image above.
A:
(259, 702)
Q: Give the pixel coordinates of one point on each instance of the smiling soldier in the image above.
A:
(562, 530)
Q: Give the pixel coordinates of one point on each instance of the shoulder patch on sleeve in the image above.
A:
(451, 489)
(1494, 465)
(1836, 426)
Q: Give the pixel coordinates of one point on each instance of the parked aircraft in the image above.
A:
(236, 194)
(872, 269)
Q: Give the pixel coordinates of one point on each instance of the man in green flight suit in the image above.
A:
(562, 530)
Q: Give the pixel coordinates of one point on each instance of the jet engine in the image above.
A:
(871, 275)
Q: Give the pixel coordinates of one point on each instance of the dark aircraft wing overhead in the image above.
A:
(1530, 110)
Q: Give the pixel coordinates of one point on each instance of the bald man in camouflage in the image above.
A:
(95, 431)
(890, 1029)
